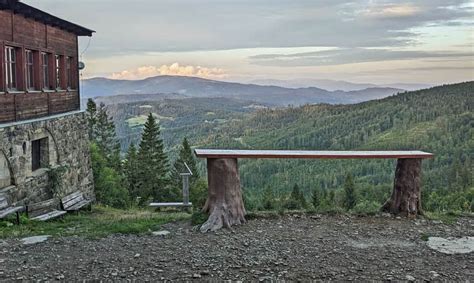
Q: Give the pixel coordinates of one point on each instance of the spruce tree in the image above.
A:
(91, 114)
(105, 136)
(349, 193)
(153, 164)
(297, 199)
(268, 198)
(316, 199)
(131, 171)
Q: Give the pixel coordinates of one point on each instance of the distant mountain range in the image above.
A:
(333, 85)
(197, 87)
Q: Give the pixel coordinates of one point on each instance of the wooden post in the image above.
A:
(224, 202)
(185, 189)
(406, 195)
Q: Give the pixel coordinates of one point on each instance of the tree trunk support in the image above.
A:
(406, 195)
(224, 202)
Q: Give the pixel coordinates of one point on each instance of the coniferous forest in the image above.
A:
(438, 120)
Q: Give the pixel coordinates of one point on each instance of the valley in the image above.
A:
(436, 120)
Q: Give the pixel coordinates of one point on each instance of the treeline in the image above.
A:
(146, 173)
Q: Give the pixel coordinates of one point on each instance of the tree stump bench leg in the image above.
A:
(406, 195)
(224, 203)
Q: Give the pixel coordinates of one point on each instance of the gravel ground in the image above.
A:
(290, 248)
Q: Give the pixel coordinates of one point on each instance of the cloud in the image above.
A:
(174, 69)
(189, 25)
(341, 56)
(392, 11)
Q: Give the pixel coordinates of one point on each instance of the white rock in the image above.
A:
(34, 239)
(410, 278)
(462, 245)
(161, 233)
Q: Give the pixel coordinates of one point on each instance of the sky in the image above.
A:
(364, 41)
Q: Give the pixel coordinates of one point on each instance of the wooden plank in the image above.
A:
(10, 210)
(50, 215)
(169, 204)
(221, 153)
(79, 205)
(3, 202)
(72, 198)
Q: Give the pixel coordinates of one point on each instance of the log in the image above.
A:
(224, 203)
(406, 195)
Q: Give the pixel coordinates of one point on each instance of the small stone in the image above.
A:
(196, 275)
(137, 255)
(410, 278)
(34, 239)
(162, 233)
(114, 274)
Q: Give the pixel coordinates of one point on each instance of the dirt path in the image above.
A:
(287, 248)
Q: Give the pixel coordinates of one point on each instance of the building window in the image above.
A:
(58, 72)
(10, 68)
(45, 70)
(29, 68)
(39, 154)
(69, 72)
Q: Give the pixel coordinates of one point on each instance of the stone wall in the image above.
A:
(64, 144)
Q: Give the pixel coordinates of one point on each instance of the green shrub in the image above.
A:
(366, 207)
(198, 194)
(198, 218)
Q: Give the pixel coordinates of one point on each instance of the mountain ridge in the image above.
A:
(199, 87)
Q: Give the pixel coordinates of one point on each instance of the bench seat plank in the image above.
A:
(221, 153)
(169, 204)
(10, 210)
(49, 215)
(78, 205)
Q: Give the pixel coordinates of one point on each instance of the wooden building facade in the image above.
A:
(39, 63)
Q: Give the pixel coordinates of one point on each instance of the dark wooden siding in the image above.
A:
(5, 25)
(34, 35)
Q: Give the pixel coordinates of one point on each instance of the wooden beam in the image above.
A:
(219, 153)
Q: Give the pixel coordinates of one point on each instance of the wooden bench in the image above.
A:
(225, 205)
(185, 204)
(6, 208)
(75, 201)
(45, 210)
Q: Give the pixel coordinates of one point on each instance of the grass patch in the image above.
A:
(100, 222)
(446, 217)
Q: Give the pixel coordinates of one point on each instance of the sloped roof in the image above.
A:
(31, 12)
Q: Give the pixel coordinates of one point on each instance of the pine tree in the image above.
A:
(153, 164)
(349, 193)
(186, 155)
(131, 171)
(316, 199)
(105, 136)
(268, 198)
(297, 199)
(91, 114)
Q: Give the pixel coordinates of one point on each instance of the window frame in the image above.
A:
(46, 71)
(11, 68)
(69, 74)
(30, 76)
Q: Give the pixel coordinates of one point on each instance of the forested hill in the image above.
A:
(438, 120)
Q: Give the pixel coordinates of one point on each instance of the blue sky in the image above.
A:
(426, 41)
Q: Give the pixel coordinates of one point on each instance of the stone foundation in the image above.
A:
(30, 149)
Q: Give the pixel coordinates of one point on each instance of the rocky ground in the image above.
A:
(289, 248)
